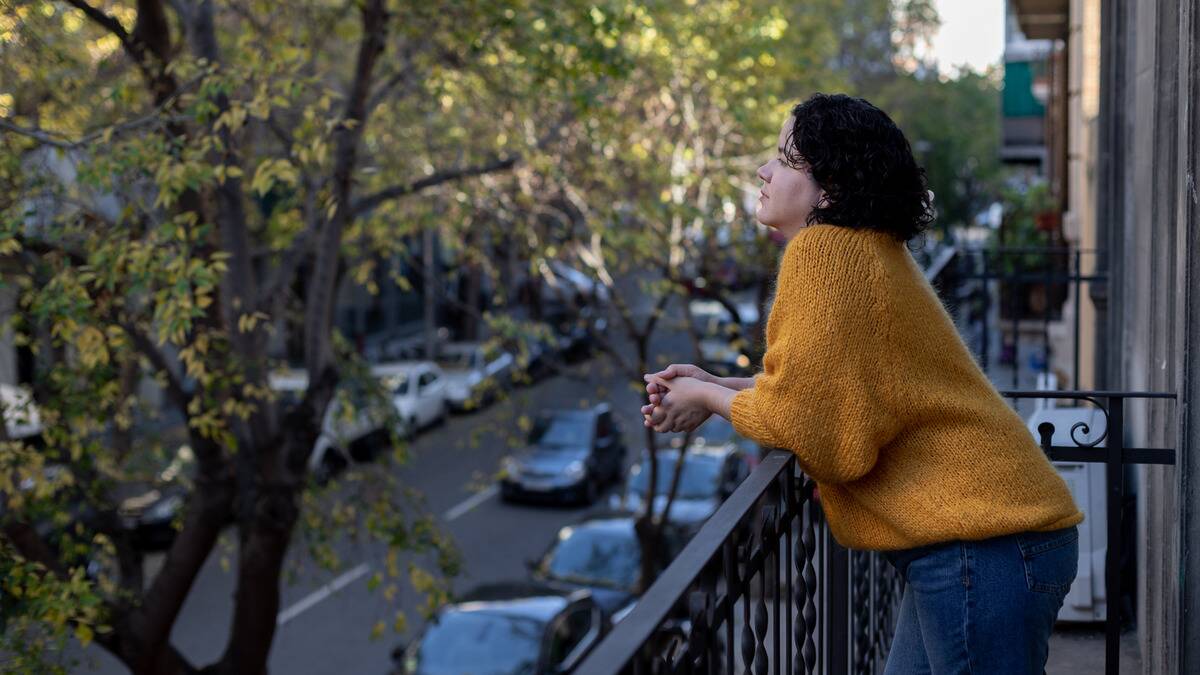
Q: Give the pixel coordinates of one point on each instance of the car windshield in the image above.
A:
(699, 480)
(480, 643)
(397, 384)
(457, 360)
(603, 557)
(561, 432)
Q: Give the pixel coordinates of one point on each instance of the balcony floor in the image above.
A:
(1078, 649)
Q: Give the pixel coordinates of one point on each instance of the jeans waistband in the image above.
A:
(901, 559)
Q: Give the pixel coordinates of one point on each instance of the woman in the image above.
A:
(866, 380)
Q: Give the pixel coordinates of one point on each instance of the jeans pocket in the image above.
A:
(1051, 559)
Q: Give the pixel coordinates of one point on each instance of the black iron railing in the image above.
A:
(763, 588)
(1105, 445)
(1007, 292)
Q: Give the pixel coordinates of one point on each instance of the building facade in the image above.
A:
(1132, 133)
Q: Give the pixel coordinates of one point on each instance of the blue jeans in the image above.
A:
(981, 606)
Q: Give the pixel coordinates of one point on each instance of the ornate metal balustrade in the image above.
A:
(1104, 445)
(763, 588)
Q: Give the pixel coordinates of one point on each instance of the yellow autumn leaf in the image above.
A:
(91, 346)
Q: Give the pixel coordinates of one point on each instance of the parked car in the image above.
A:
(718, 432)
(578, 331)
(600, 554)
(22, 419)
(536, 350)
(563, 287)
(474, 372)
(418, 391)
(723, 342)
(506, 629)
(709, 475)
(147, 509)
(571, 455)
(350, 429)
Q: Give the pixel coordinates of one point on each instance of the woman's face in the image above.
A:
(788, 195)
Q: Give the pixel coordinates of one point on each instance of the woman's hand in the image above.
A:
(655, 391)
(680, 405)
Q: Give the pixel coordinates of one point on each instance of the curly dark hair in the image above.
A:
(864, 164)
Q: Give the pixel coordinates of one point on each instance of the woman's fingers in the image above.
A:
(663, 385)
(672, 371)
(658, 415)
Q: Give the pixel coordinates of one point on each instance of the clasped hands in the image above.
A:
(682, 397)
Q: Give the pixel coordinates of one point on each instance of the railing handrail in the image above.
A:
(619, 646)
(939, 264)
(1028, 249)
(1082, 393)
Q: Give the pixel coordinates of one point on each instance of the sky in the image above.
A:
(972, 33)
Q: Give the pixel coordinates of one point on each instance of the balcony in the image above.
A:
(763, 587)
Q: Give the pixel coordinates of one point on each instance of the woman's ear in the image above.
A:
(822, 201)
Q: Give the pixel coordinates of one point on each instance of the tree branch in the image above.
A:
(31, 545)
(150, 41)
(146, 346)
(108, 22)
(63, 141)
(319, 311)
(300, 247)
(370, 202)
(40, 135)
(209, 507)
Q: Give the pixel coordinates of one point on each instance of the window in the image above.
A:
(733, 470)
(427, 379)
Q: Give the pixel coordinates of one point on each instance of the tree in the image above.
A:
(185, 185)
(182, 179)
(954, 126)
(661, 169)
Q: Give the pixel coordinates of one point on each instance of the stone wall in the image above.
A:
(1147, 213)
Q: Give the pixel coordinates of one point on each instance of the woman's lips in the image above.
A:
(762, 195)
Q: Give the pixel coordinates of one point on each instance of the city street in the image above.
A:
(326, 619)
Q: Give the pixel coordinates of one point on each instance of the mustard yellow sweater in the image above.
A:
(866, 380)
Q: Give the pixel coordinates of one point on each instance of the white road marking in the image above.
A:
(321, 593)
(470, 503)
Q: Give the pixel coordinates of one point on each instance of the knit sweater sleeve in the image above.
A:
(824, 392)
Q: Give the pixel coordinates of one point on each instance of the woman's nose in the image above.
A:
(764, 173)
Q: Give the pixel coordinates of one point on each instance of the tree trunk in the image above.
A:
(263, 547)
(471, 328)
(649, 533)
(429, 296)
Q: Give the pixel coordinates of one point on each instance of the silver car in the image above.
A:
(474, 373)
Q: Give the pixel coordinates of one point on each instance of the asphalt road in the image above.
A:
(327, 618)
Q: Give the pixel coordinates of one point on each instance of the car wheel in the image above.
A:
(591, 491)
(332, 463)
